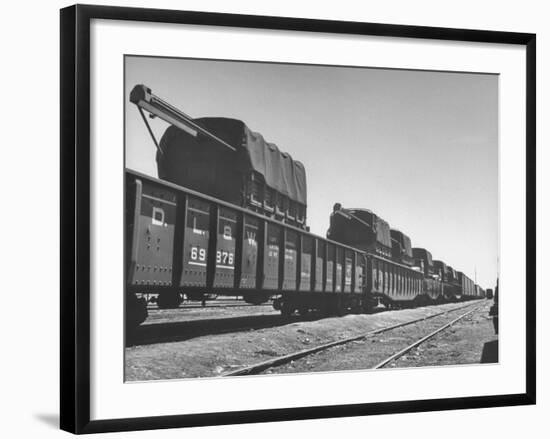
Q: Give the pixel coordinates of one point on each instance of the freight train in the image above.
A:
(228, 216)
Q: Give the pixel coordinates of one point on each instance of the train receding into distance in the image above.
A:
(228, 216)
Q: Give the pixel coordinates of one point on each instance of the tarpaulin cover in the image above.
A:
(381, 227)
(278, 169)
(402, 239)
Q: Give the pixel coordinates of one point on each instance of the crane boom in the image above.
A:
(144, 99)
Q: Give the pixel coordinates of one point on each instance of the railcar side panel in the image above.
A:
(359, 273)
(320, 255)
(338, 276)
(348, 270)
(305, 263)
(225, 252)
(393, 281)
(375, 281)
(249, 257)
(153, 222)
(195, 243)
(273, 244)
(290, 267)
(329, 271)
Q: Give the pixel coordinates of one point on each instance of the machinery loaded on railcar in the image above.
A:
(391, 282)
(227, 215)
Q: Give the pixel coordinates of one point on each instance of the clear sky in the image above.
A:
(418, 148)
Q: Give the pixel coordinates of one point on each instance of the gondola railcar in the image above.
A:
(362, 229)
(391, 283)
(180, 240)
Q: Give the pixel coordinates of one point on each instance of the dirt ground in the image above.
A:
(471, 340)
(213, 355)
(461, 343)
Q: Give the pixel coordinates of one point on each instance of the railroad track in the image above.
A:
(418, 342)
(284, 359)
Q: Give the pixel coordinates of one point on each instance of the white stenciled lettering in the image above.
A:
(157, 218)
(198, 254)
(224, 258)
(227, 232)
(251, 238)
(195, 230)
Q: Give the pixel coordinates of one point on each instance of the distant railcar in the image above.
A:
(440, 270)
(393, 284)
(362, 229)
(425, 257)
(467, 287)
(451, 275)
(432, 290)
(451, 286)
(401, 248)
(480, 292)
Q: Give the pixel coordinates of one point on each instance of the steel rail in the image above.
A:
(273, 362)
(422, 340)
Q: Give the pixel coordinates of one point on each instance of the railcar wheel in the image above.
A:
(277, 304)
(324, 309)
(340, 308)
(169, 300)
(287, 310)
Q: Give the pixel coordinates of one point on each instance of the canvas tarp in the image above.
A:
(278, 169)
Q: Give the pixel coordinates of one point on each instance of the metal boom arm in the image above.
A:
(144, 99)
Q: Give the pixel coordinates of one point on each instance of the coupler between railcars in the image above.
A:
(169, 299)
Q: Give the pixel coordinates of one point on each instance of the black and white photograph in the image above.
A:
(275, 219)
(285, 218)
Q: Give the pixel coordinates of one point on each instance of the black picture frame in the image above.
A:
(75, 216)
